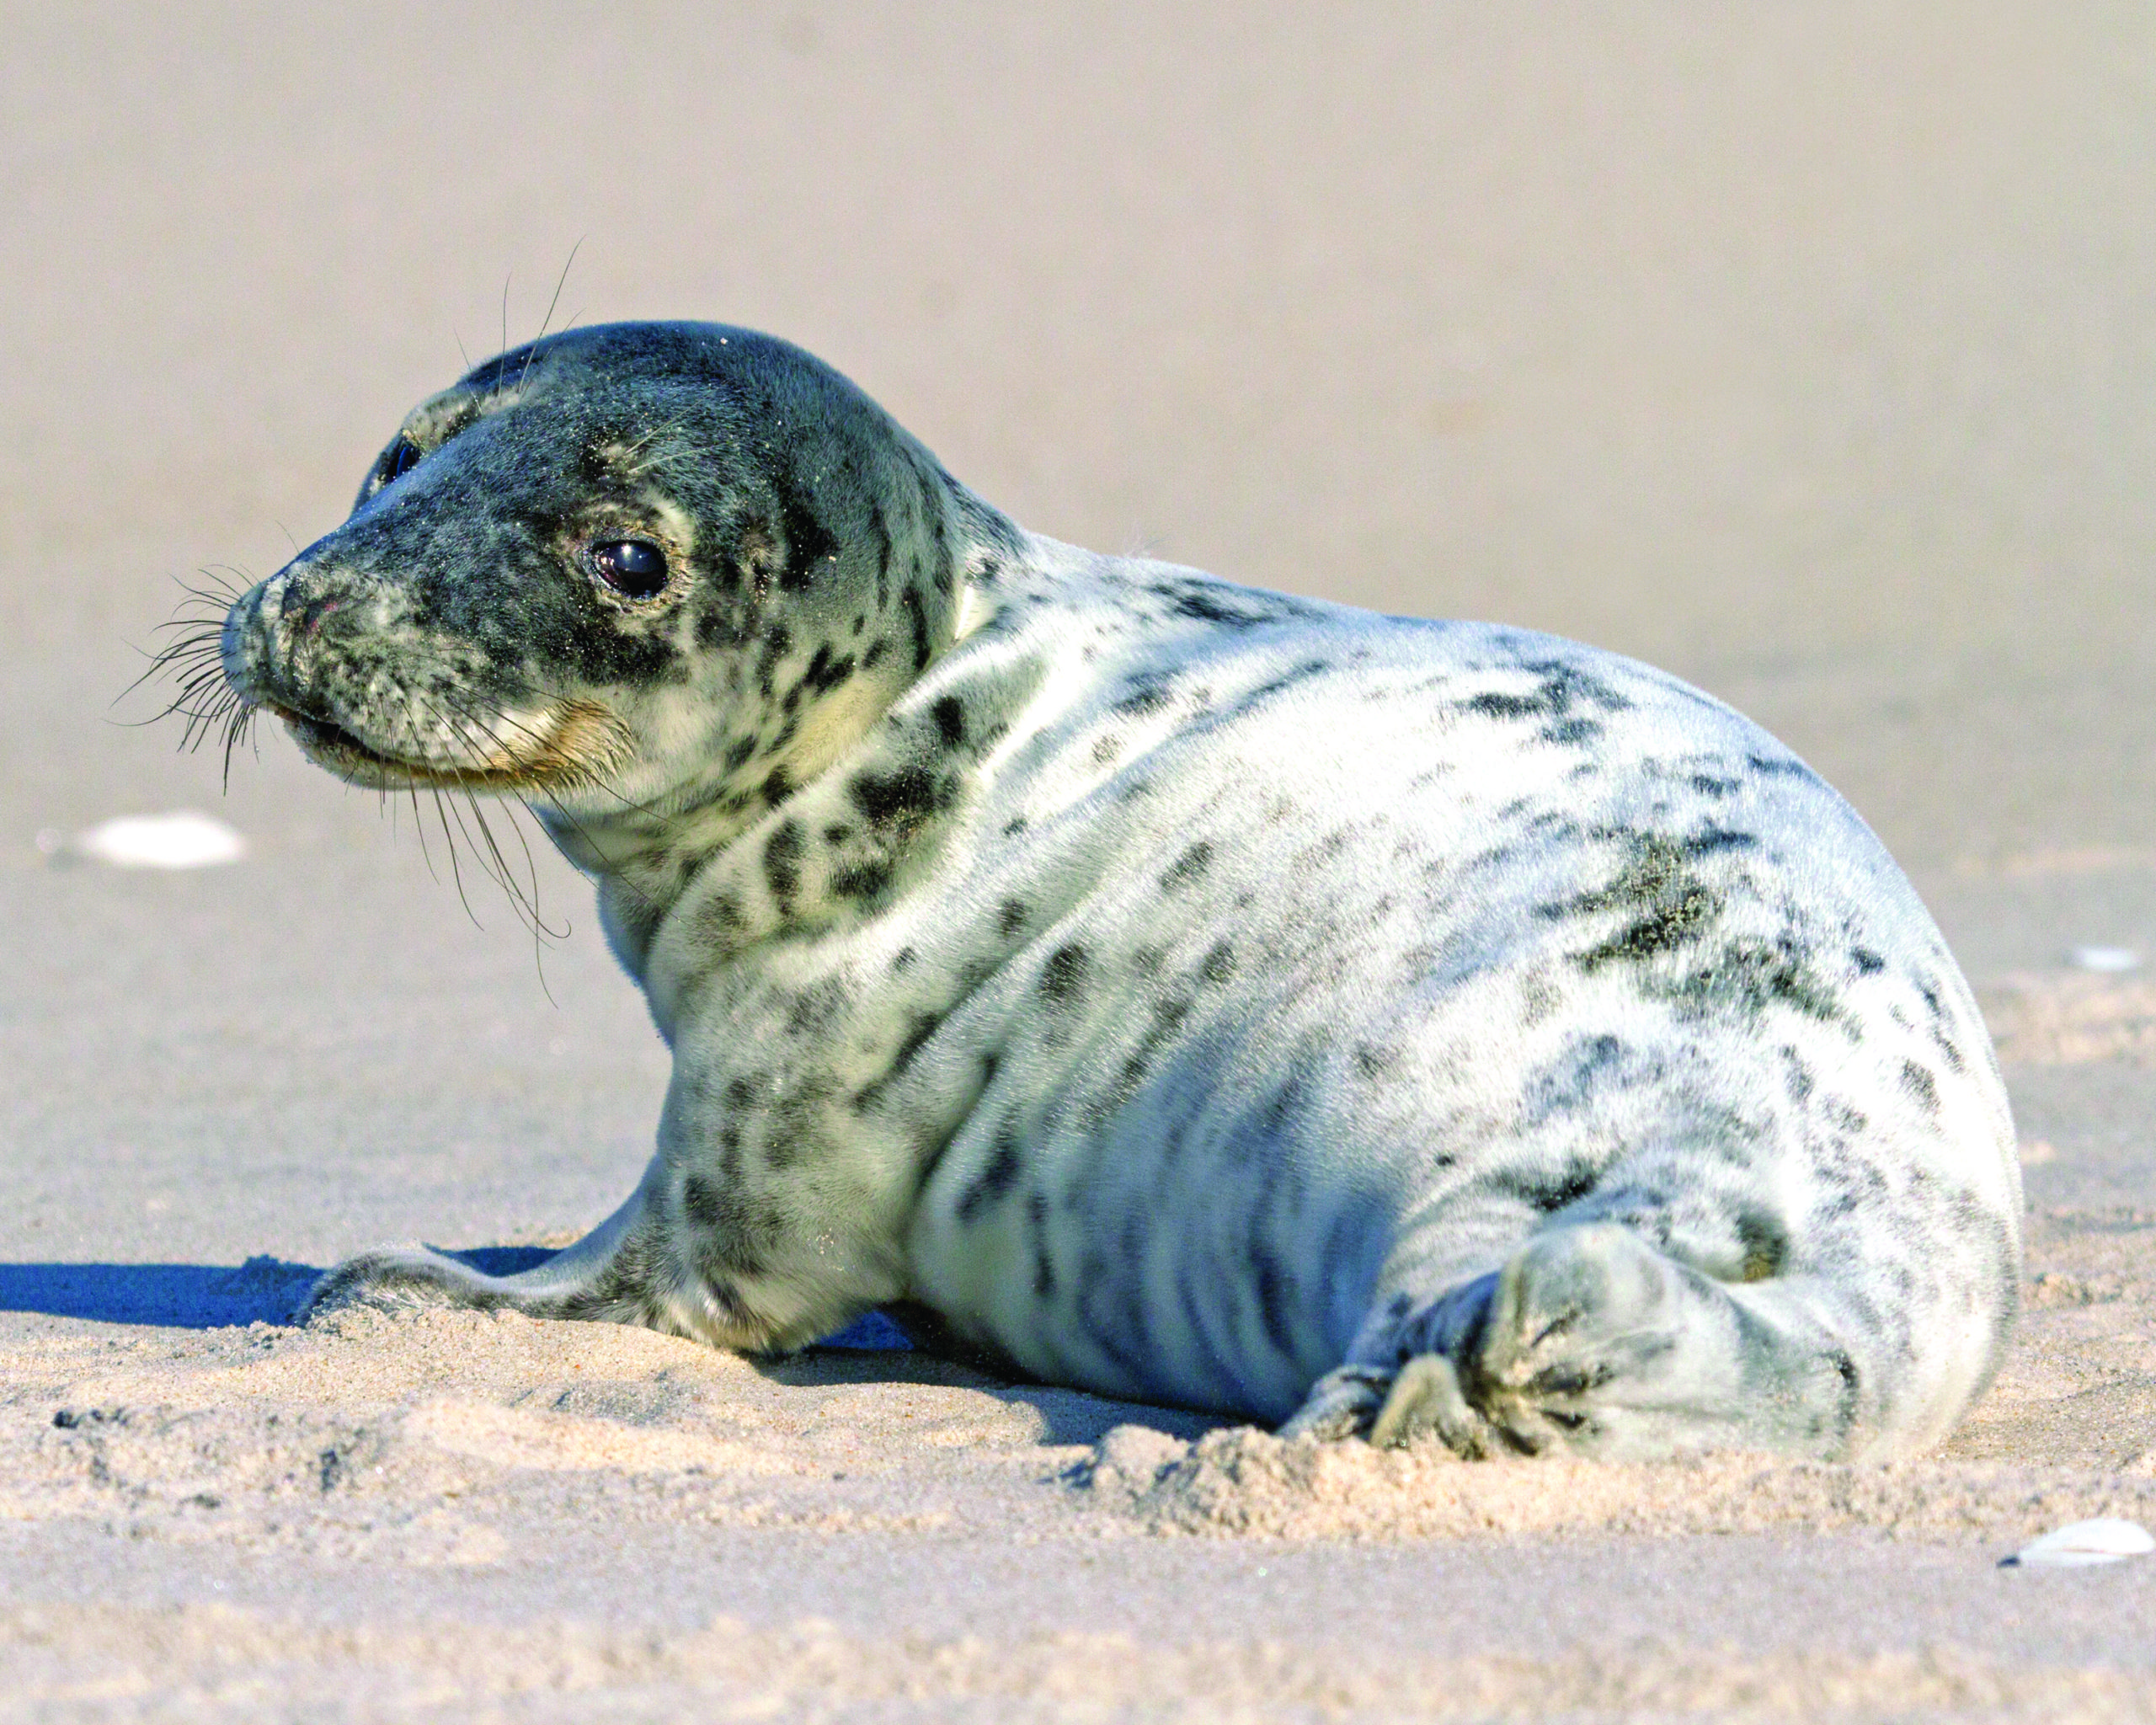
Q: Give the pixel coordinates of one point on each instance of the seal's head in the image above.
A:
(658, 566)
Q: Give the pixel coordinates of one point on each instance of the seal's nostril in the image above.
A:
(315, 610)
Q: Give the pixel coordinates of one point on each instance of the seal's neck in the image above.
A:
(644, 848)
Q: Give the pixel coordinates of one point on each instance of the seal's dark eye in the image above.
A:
(399, 459)
(634, 568)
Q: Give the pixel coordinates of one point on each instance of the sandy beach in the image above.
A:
(1808, 351)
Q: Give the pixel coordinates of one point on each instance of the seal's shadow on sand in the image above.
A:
(207, 1296)
(185, 1296)
(200, 1296)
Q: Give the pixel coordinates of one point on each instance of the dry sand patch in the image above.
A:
(417, 1436)
(212, 1660)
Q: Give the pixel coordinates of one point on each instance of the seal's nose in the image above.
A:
(271, 626)
(307, 617)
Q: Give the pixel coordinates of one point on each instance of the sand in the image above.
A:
(1806, 350)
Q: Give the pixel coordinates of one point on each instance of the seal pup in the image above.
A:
(1186, 993)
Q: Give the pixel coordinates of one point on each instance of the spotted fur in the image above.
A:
(1188, 992)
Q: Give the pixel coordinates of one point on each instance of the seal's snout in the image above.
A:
(309, 616)
(238, 646)
(289, 641)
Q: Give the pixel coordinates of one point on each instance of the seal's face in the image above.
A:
(630, 566)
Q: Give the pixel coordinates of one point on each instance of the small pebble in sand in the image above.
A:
(2079, 1543)
(183, 839)
(2108, 961)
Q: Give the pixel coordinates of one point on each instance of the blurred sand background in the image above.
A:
(1807, 350)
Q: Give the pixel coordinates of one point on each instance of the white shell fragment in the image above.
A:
(2107, 961)
(2105, 1540)
(182, 840)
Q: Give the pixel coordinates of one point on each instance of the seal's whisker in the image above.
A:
(523, 896)
(420, 827)
(192, 655)
(455, 874)
(531, 351)
(502, 350)
(486, 849)
(238, 727)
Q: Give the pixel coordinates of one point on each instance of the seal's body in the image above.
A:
(1187, 992)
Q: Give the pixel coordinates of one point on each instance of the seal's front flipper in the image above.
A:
(604, 1276)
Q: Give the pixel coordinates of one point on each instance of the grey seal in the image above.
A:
(1187, 992)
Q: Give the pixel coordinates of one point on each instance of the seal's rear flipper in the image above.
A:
(1591, 1339)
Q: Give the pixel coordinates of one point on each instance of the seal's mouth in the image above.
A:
(328, 744)
(575, 745)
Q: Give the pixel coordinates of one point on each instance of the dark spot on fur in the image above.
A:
(874, 656)
(924, 1026)
(738, 751)
(817, 1007)
(825, 671)
(1563, 688)
(1037, 1226)
(1800, 1079)
(950, 716)
(880, 529)
(719, 920)
(1765, 1244)
(1148, 693)
(1276, 1297)
(1010, 917)
(777, 643)
(1749, 975)
(1205, 606)
(866, 879)
(782, 864)
(917, 615)
(1374, 1062)
(902, 959)
(1868, 963)
(808, 541)
(1189, 867)
(996, 1180)
(900, 799)
(1554, 1195)
(1710, 839)
(1219, 965)
(837, 833)
(1669, 905)
(1063, 977)
(777, 786)
(700, 1199)
(1919, 1083)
